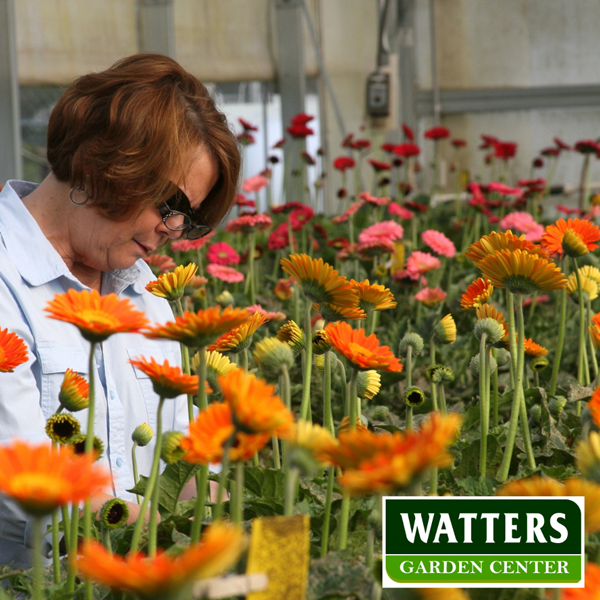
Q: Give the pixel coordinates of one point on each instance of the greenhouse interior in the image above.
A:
(298, 299)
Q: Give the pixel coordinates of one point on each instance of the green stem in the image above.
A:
(286, 394)
(237, 510)
(327, 514)
(495, 393)
(73, 539)
(580, 356)
(38, 573)
(223, 477)
(156, 484)
(245, 359)
(55, 542)
(276, 455)
(443, 407)
(409, 368)
(151, 484)
(291, 478)
(518, 391)
(327, 413)
(589, 338)
(106, 539)
(353, 406)
(484, 419)
(135, 468)
(66, 525)
(433, 385)
(342, 370)
(201, 372)
(308, 363)
(201, 492)
(344, 518)
(560, 341)
(296, 291)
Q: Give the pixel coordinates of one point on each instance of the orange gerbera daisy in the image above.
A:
(164, 575)
(594, 406)
(363, 352)
(41, 478)
(581, 236)
(13, 351)
(596, 319)
(489, 311)
(506, 240)
(478, 293)
(521, 272)
(172, 285)
(201, 328)
(210, 431)
(74, 392)
(383, 464)
(333, 313)
(167, 381)
(254, 405)
(533, 349)
(240, 337)
(373, 296)
(97, 317)
(591, 591)
(594, 331)
(320, 281)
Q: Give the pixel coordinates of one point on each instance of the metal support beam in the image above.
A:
(11, 166)
(406, 63)
(156, 27)
(509, 99)
(290, 54)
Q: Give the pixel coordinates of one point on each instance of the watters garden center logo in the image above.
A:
(483, 542)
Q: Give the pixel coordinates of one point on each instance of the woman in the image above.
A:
(139, 155)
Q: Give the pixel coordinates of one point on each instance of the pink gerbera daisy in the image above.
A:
(439, 243)
(222, 253)
(228, 274)
(505, 190)
(272, 316)
(422, 262)
(430, 296)
(525, 223)
(160, 263)
(300, 217)
(249, 223)
(399, 211)
(373, 199)
(541, 299)
(389, 231)
(346, 215)
(187, 245)
(255, 184)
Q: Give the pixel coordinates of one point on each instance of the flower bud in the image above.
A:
(292, 335)
(381, 413)
(114, 513)
(272, 356)
(225, 298)
(78, 444)
(535, 414)
(445, 331)
(474, 365)
(60, 428)
(74, 392)
(320, 342)
(557, 405)
(368, 384)
(539, 363)
(414, 340)
(142, 434)
(502, 356)
(171, 450)
(414, 396)
(491, 327)
(572, 244)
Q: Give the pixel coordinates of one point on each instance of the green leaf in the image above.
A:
(476, 486)
(264, 483)
(469, 463)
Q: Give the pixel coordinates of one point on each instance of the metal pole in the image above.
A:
(11, 165)
(437, 105)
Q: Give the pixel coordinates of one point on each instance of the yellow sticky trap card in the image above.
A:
(279, 547)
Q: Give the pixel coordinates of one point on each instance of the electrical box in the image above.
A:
(378, 94)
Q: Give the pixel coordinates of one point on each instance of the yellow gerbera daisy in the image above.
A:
(373, 296)
(445, 331)
(478, 293)
(589, 286)
(292, 335)
(320, 281)
(521, 272)
(240, 337)
(494, 242)
(591, 272)
(172, 285)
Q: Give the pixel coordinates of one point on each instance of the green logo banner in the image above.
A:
(476, 541)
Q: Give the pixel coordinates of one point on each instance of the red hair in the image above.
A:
(127, 133)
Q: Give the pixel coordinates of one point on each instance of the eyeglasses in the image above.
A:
(177, 215)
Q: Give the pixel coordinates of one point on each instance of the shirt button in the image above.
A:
(119, 462)
(112, 397)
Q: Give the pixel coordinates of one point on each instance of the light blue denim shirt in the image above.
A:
(31, 273)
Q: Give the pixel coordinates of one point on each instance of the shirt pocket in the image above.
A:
(151, 398)
(55, 359)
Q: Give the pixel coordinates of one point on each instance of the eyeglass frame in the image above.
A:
(188, 224)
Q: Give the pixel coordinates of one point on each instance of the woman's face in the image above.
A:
(105, 245)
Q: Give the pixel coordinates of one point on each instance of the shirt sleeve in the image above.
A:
(20, 411)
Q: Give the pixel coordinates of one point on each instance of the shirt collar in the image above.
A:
(41, 263)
